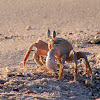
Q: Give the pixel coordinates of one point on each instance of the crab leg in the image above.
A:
(41, 57)
(27, 54)
(42, 48)
(72, 56)
(82, 55)
(38, 55)
(75, 61)
(61, 67)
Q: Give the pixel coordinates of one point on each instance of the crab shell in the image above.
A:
(61, 45)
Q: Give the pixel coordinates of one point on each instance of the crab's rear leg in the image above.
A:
(82, 55)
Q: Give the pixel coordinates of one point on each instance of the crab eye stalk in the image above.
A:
(48, 33)
(54, 34)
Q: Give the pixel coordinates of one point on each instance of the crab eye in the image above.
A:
(48, 33)
(54, 34)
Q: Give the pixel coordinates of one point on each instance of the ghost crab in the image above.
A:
(58, 48)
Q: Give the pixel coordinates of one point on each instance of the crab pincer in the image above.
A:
(50, 61)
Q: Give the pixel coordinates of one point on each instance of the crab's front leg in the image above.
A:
(73, 57)
(51, 54)
(42, 49)
(62, 62)
(27, 54)
(39, 55)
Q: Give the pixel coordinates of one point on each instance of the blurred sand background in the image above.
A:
(65, 15)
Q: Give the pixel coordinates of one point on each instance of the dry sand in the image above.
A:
(79, 17)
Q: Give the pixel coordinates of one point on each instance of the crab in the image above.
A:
(59, 49)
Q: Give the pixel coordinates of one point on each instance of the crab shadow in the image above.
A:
(47, 86)
(65, 88)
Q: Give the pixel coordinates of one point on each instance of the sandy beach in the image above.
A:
(22, 23)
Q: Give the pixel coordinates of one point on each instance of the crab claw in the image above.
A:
(50, 61)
